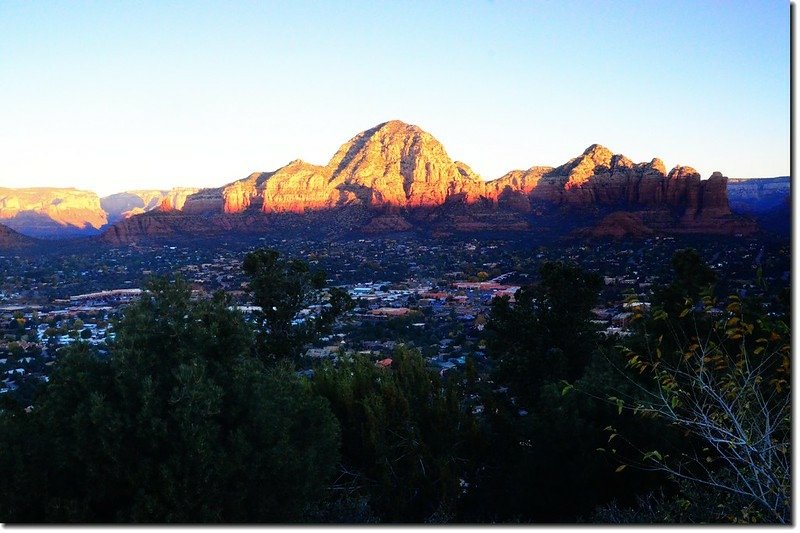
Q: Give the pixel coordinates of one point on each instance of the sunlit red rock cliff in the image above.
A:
(404, 177)
(48, 212)
(397, 177)
(396, 164)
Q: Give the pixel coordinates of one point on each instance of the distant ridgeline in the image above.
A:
(768, 200)
(396, 177)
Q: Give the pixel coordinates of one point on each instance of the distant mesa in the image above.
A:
(51, 213)
(57, 213)
(768, 200)
(758, 196)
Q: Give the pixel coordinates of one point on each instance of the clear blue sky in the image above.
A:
(120, 95)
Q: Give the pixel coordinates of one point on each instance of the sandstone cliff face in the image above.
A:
(45, 212)
(600, 177)
(714, 194)
(176, 197)
(129, 203)
(400, 165)
(522, 181)
(205, 201)
(392, 164)
(240, 195)
(759, 195)
(299, 186)
(396, 167)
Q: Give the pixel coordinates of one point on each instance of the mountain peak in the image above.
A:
(400, 164)
(395, 125)
(658, 166)
(598, 151)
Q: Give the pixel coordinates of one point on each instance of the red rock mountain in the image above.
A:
(393, 164)
(396, 166)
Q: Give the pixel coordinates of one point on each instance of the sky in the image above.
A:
(113, 96)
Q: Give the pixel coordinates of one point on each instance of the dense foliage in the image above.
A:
(198, 414)
(179, 424)
(281, 289)
(719, 371)
(404, 436)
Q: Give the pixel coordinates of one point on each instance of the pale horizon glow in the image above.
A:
(153, 95)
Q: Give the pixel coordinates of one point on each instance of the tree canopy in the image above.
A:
(281, 289)
(180, 423)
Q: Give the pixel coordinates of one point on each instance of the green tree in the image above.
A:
(544, 460)
(547, 334)
(403, 436)
(178, 424)
(692, 279)
(718, 372)
(551, 461)
(282, 288)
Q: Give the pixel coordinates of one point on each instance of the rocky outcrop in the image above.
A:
(392, 164)
(714, 194)
(400, 164)
(524, 181)
(205, 201)
(301, 186)
(10, 239)
(48, 212)
(598, 177)
(243, 194)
